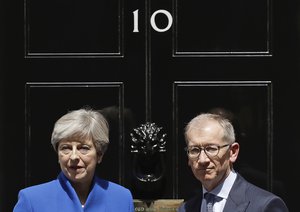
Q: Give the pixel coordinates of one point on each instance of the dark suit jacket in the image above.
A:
(243, 197)
(59, 196)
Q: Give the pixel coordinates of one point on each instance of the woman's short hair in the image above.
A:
(82, 124)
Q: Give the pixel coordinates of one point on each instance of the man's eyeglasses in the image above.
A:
(211, 150)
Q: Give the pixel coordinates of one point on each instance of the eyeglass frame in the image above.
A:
(204, 149)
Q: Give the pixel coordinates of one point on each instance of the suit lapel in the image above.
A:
(236, 199)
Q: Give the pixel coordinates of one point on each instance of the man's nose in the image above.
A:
(202, 158)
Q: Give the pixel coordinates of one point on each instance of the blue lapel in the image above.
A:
(67, 187)
(96, 198)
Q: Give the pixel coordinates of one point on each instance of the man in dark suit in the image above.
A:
(212, 150)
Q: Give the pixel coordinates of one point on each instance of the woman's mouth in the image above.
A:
(75, 168)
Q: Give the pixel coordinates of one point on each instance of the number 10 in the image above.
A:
(152, 20)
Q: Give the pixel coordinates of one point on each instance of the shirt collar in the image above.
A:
(223, 189)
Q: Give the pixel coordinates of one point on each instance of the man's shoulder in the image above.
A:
(251, 190)
(257, 196)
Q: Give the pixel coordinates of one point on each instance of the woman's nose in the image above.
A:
(74, 154)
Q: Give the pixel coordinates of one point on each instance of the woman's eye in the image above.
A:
(65, 149)
(84, 149)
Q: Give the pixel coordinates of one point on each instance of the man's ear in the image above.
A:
(234, 151)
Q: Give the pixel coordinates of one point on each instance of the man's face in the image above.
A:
(210, 170)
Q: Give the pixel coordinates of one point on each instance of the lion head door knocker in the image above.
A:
(148, 146)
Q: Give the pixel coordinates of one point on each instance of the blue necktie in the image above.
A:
(210, 199)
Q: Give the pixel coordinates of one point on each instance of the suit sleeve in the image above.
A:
(23, 204)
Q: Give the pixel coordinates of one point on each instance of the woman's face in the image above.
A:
(78, 159)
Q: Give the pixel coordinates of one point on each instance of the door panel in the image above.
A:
(62, 97)
(222, 28)
(70, 28)
(248, 105)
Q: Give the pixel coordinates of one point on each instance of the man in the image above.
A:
(212, 150)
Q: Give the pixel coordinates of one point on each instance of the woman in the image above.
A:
(80, 138)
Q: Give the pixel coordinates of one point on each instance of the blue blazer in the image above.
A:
(243, 197)
(59, 196)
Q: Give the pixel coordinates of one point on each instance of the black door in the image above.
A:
(149, 65)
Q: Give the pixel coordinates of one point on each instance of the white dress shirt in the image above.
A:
(221, 192)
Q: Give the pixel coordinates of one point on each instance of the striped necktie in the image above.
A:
(210, 199)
